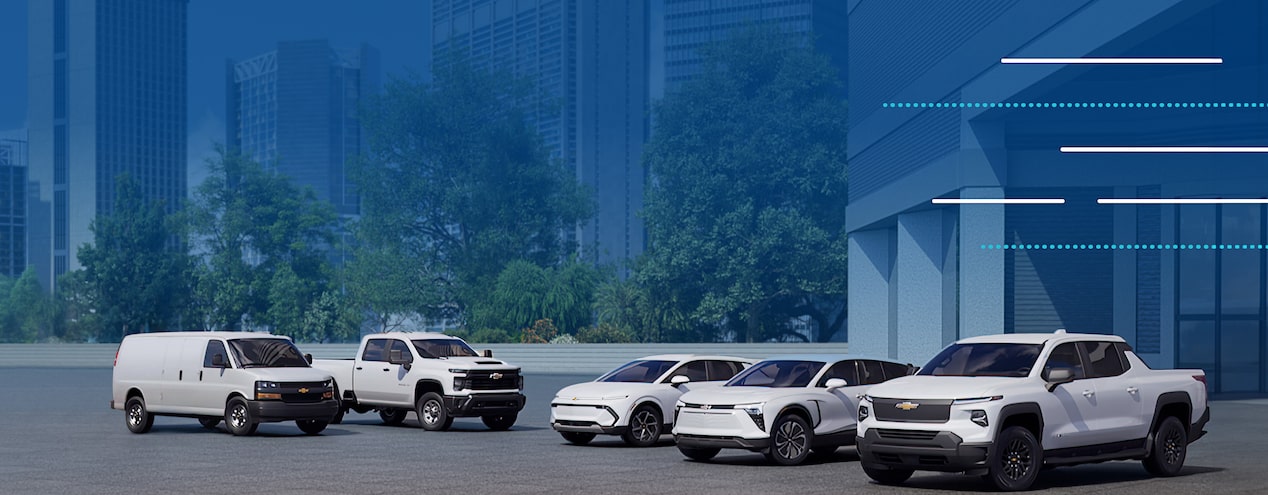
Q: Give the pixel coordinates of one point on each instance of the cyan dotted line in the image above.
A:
(1124, 246)
(1010, 104)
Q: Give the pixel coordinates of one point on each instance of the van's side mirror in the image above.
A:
(679, 380)
(487, 353)
(218, 361)
(835, 383)
(309, 358)
(1058, 376)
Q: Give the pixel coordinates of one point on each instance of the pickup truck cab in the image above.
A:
(245, 378)
(436, 375)
(1005, 406)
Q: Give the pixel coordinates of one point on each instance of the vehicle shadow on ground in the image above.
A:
(458, 426)
(615, 442)
(271, 430)
(732, 457)
(1063, 477)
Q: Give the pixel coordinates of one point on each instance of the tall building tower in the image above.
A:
(107, 90)
(294, 110)
(588, 61)
(13, 207)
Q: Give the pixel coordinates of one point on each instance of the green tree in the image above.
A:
(77, 319)
(30, 315)
(525, 293)
(746, 215)
(329, 319)
(392, 287)
(135, 270)
(457, 178)
(253, 224)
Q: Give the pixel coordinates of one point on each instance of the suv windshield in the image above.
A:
(777, 374)
(441, 348)
(1015, 360)
(641, 371)
(267, 353)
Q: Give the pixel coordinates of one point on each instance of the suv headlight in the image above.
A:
(755, 413)
(864, 412)
(976, 400)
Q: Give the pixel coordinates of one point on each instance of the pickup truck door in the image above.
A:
(1117, 403)
(378, 381)
(1070, 409)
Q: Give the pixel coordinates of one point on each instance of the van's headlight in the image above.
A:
(267, 391)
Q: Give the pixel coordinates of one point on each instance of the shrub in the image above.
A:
(564, 339)
(604, 333)
(540, 333)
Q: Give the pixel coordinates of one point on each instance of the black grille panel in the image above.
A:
(495, 380)
(906, 434)
(912, 410)
(300, 392)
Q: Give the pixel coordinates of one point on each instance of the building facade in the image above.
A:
(295, 110)
(1143, 244)
(13, 207)
(107, 96)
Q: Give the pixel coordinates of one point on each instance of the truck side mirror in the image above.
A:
(1058, 376)
(309, 358)
(395, 356)
(487, 353)
(218, 361)
(679, 380)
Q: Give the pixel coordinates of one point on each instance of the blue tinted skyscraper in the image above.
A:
(107, 89)
(13, 207)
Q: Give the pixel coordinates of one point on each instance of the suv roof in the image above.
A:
(1038, 338)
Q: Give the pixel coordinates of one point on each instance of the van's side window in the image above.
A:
(215, 347)
(374, 350)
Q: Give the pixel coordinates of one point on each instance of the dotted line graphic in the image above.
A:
(1011, 104)
(1125, 246)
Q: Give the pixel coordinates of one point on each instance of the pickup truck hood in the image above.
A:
(289, 374)
(739, 395)
(943, 387)
(478, 363)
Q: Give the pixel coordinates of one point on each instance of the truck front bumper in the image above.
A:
(272, 410)
(944, 452)
(483, 404)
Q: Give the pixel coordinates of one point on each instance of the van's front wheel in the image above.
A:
(238, 418)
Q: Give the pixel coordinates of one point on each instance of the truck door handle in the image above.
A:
(1088, 393)
(1132, 390)
(387, 369)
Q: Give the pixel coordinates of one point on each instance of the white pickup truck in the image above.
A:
(436, 375)
(1006, 406)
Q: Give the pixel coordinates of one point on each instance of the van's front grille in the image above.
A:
(302, 391)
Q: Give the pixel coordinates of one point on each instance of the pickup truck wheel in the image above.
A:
(432, 415)
(311, 426)
(499, 422)
(1016, 458)
(790, 440)
(1170, 444)
(645, 427)
(392, 416)
(209, 423)
(698, 454)
(338, 418)
(888, 476)
(137, 417)
(238, 418)
(577, 437)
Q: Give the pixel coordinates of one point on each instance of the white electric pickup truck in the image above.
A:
(436, 375)
(1006, 406)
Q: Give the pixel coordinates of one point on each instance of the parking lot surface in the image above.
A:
(58, 435)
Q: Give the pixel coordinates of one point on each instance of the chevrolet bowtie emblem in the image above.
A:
(303, 390)
(496, 376)
(906, 406)
(706, 406)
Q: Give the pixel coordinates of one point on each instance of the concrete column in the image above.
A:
(981, 271)
(871, 303)
(925, 258)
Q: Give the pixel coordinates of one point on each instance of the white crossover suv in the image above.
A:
(784, 407)
(635, 400)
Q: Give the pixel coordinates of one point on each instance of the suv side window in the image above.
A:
(872, 372)
(1103, 359)
(400, 346)
(374, 350)
(845, 370)
(694, 370)
(895, 370)
(215, 347)
(1065, 356)
(722, 370)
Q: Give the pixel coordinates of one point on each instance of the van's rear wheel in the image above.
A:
(209, 423)
(137, 417)
(311, 426)
(392, 416)
(238, 418)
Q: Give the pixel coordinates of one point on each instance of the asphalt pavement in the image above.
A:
(59, 436)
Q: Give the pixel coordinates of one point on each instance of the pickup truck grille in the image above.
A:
(312, 391)
(906, 434)
(912, 410)
(485, 380)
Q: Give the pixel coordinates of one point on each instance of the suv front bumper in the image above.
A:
(711, 442)
(484, 404)
(944, 452)
(273, 410)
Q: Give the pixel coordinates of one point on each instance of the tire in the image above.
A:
(577, 438)
(392, 416)
(888, 476)
(338, 417)
(645, 427)
(499, 422)
(209, 423)
(1169, 448)
(1016, 459)
(824, 451)
(790, 440)
(136, 416)
(698, 454)
(311, 426)
(238, 418)
(432, 415)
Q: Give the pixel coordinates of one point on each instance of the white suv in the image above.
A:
(635, 400)
(784, 407)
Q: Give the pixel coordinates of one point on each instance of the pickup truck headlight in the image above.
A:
(459, 382)
(267, 391)
(976, 400)
(456, 370)
(755, 413)
(978, 416)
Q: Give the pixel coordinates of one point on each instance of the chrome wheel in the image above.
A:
(238, 417)
(431, 412)
(136, 415)
(790, 440)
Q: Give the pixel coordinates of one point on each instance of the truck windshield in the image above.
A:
(440, 348)
(1015, 360)
(267, 353)
(777, 374)
(641, 371)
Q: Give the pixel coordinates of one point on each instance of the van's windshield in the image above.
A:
(267, 353)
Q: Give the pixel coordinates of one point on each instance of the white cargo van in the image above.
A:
(245, 378)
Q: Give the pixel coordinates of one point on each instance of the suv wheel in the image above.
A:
(645, 427)
(577, 437)
(1016, 458)
(698, 454)
(1170, 444)
(790, 440)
